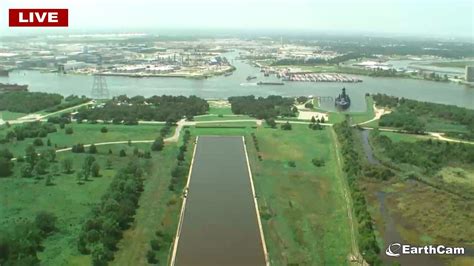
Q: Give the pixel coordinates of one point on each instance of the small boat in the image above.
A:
(251, 77)
(228, 74)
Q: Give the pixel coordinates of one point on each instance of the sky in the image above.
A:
(447, 18)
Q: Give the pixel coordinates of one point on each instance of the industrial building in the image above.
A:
(469, 73)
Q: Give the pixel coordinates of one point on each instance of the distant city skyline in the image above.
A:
(423, 18)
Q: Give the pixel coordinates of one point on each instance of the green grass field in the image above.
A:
(7, 115)
(213, 110)
(22, 198)
(303, 210)
(86, 134)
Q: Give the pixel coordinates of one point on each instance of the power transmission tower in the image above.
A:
(99, 87)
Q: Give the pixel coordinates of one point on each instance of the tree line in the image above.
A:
(179, 173)
(103, 229)
(411, 115)
(353, 168)
(20, 243)
(28, 102)
(430, 155)
(263, 108)
(157, 108)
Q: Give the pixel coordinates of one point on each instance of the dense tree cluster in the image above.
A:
(20, 244)
(180, 171)
(178, 180)
(429, 155)
(406, 121)
(70, 101)
(103, 229)
(411, 115)
(30, 130)
(453, 113)
(28, 102)
(353, 168)
(123, 109)
(263, 108)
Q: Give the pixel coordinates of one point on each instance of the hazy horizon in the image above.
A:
(448, 19)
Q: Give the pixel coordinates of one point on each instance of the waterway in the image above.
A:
(236, 85)
(220, 222)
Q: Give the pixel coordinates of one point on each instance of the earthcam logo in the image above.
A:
(397, 249)
(38, 17)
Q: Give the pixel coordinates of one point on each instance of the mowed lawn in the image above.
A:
(303, 210)
(86, 134)
(23, 198)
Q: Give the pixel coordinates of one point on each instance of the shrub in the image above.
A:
(104, 130)
(318, 162)
(46, 222)
(69, 130)
(38, 142)
(151, 257)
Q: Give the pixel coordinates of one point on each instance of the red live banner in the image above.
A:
(38, 18)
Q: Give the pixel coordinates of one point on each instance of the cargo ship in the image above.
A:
(343, 101)
(270, 83)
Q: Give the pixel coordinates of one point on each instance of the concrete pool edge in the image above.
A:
(183, 207)
(257, 210)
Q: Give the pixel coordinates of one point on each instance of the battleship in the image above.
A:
(343, 101)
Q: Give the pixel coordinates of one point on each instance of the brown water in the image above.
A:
(220, 222)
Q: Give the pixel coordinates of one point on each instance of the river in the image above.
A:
(236, 85)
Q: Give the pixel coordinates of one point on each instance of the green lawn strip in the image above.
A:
(222, 117)
(220, 111)
(302, 208)
(226, 124)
